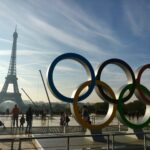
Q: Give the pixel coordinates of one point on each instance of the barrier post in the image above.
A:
(12, 144)
(108, 142)
(144, 142)
(113, 141)
(64, 129)
(19, 148)
(68, 142)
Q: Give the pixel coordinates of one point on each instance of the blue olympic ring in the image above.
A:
(84, 62)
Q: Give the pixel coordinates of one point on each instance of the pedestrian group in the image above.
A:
(29, 117)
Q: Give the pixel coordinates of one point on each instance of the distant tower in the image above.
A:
(11, 78)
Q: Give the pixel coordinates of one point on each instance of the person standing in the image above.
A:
(22, 121)
(62, 119)
(15, 114)
(67, 119)
(29, 117)
(85, 114)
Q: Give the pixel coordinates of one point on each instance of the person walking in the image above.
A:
(15, 114)
(29, 117)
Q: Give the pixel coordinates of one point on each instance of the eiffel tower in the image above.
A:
(11, 79)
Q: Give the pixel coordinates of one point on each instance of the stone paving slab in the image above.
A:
(7, 145)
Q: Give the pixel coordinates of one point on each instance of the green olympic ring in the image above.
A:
(121, 116)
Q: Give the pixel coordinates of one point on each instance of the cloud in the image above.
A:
(133, 23)
(64, 68)
(28, 52)
(137, 16)
(86, 21)
(38, 26)
(64, 37)
(5, 40)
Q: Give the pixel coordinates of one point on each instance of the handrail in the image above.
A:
(68, 137)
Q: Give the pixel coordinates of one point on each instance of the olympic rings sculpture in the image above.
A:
(105, 91)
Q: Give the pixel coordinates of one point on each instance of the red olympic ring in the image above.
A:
(139, 93)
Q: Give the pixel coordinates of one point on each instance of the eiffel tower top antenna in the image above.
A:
(16, 28)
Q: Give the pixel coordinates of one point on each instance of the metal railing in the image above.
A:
(110, 142)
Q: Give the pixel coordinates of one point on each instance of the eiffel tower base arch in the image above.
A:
(15, 97)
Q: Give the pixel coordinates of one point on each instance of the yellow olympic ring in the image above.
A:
(111, 110)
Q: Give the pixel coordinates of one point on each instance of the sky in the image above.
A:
(96, 29)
